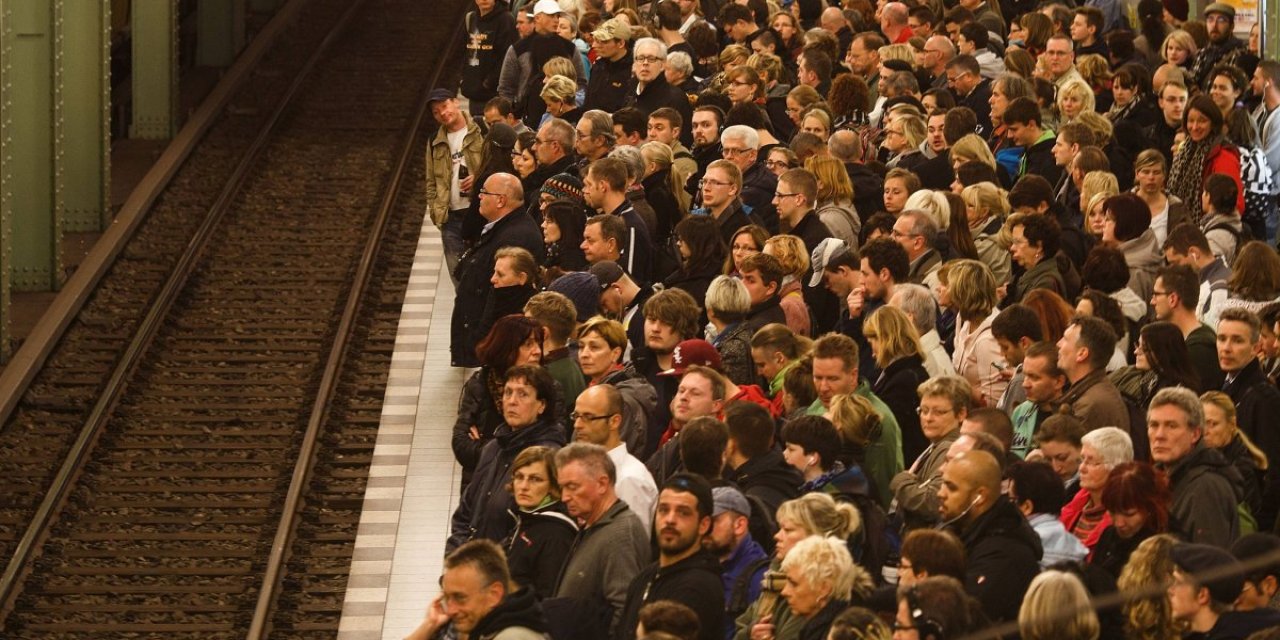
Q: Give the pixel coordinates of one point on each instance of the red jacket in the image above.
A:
(1226, 160)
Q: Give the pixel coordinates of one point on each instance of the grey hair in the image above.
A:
(601, 124)
(593, 458)
(916, 301)
(681, 62)
(1112, 443)
(728, 294)
(923, 224)
(562, 132)
(654, 42)
(742, 132)
(934, 205)
(1182, 398)
(632, 158)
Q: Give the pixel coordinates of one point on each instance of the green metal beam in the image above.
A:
(155, 69)
(32, 234)
(6, 179)
(220, 32)
(82, 118)
(1269, 40)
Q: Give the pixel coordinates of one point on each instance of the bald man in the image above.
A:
(1003, 550)
(500, 198)
(938, 51)
(833, 20)
(893, 23)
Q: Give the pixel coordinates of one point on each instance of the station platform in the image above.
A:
(413, 481)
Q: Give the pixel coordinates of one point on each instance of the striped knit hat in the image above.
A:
(564, 186)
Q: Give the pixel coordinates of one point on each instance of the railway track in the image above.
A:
(195, 468)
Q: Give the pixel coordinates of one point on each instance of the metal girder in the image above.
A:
(154, 34)
(82, 116)
(32, 232)
(1269, 39)
(220, 32)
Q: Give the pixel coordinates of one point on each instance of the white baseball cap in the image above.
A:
(549, 7)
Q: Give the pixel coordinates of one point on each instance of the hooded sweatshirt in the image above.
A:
(517, 617)
(693, 582)
(1003, 554)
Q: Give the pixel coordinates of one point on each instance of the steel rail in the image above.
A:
(45, 516)
(293, 505)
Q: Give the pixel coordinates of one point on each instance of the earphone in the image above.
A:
(925, 626)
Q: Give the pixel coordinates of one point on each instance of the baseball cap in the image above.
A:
(822, 254)
(440, 94)
(613, 29)
(550, 7)
(697, 485)
(1221, 7)
(1198, 559)
(501, 135)
(607, 272)
(730, 499)
(692, 352)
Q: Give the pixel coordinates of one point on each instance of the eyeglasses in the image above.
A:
(648, 59)
(929, 411)
(729, 151)
(1155, 293)
(586, 417)
(957, 76)
(490, 193)
(774, 164)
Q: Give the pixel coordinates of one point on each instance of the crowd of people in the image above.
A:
(914, 319)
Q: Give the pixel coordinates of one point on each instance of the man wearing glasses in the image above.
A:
(964, 76)
(1060, 60)
(500, 196)
(652, 90)
(597, 419)
(740, 145)
(720, 187)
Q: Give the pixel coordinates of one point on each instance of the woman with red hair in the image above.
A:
(1137, 498)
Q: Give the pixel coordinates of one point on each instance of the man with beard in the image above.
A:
(742, 560)
(1224, 47)
(706, 125)
(685, 572)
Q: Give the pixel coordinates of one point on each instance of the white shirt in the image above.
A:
(635, 485)
(457, 199)
(936, 360)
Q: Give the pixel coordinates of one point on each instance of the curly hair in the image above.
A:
(1149, 567)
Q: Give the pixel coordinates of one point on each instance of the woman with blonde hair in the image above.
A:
(559, 93)
(663, 189)
(1179, 49)
(901, 51)
(835, 198)
(1096, 187)
(970, 148)
(812, 514)
(794, 258)
(1074, 98)
(895, 344)
(859, 425)
(816, 121)
(1045, 608)
(1148, 616)
(903, 135)
(731, 57)
(986, 206)
(821, 580)
(972, 289)
(1222, 433)
(1096, 71)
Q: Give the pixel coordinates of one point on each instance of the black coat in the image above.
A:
(538, 546)
(868, 189)
(666, 209)
(693, 582)
(823, 305)
(485, 508)
(477, 407)
(1003, 554)
(502, 301)
(767, 312)
(490, 37)
(1039, 161)
(758, 187)
(769, 478)
(936, 173)
(475, 267)
(518, 609)
(1257, 405)
(897, 386)
(659, 94)
(609, 84)
(732, 219)
(980, 101)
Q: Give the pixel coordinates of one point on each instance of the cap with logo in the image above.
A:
(692, 352)
(613, 29)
